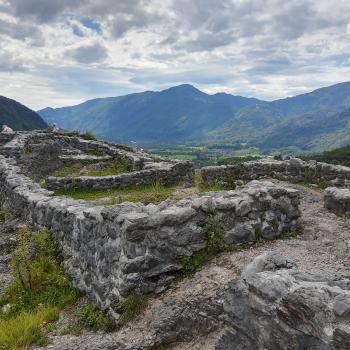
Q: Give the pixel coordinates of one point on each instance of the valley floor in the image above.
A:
(188, 315)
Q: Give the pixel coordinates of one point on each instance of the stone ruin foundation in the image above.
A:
(112, 250)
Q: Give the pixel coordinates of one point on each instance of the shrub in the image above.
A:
(131, 307)
(93, 318)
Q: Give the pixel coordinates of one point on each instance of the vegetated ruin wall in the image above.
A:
(288, 169)
(164, 173)
(112, 250)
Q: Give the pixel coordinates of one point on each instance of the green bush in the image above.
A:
(93, 318)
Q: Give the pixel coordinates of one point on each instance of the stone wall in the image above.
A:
(113, 249)
(288, 169)
(165, 173)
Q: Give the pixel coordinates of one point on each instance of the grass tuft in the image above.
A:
(130, 307)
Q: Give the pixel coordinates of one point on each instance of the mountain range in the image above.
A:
(310, 122)
(19, 117)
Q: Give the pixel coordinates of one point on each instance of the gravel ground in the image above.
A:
(188, 314)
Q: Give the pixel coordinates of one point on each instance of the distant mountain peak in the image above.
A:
(188, 88)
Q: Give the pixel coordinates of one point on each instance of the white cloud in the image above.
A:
(64, 52)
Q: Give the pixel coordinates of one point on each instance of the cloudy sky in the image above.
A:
(62, 52)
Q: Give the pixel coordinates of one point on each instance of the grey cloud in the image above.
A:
(10, 63)
(89, 54)
(42, 10)
(22, 31)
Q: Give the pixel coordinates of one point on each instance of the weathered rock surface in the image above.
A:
(337, 200)
(285, 309)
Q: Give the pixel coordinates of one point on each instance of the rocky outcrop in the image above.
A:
(337, 200)
(288, 169)
(275, 306)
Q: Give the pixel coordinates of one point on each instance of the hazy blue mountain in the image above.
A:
(19, 117)
(184, 113)
(179, 113)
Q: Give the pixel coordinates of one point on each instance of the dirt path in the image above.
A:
(190, 310)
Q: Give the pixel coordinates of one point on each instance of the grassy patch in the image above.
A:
(131, 307)
(39, 291)
(26, 328)
(95, 319)
(74, 169)
(153, 194)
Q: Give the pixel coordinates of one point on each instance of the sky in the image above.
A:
(63, 52)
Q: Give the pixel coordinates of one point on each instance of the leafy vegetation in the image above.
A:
(131, 307)
(93, 318)
(153, 194)
(40, 289)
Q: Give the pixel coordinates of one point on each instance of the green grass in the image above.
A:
(39, 290)
(74, 169)
(131, 307)
(153, 194)
(26, 328)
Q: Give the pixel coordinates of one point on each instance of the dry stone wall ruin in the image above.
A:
(337, 177)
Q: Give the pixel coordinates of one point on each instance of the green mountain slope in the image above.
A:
(307, 122)
(19, 117)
